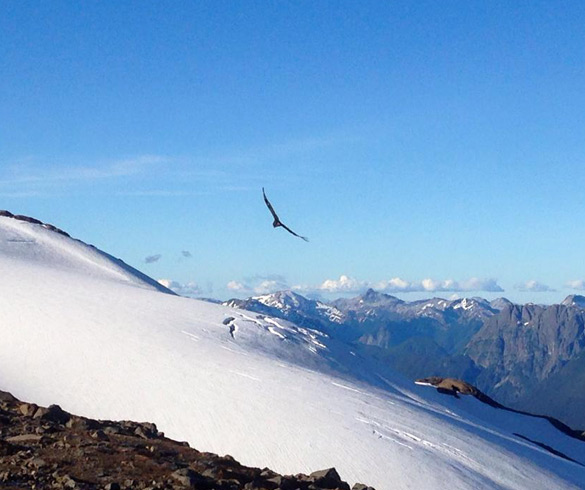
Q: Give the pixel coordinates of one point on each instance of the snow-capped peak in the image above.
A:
(281, 299)
(465, 303)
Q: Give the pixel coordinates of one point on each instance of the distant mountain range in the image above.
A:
(530, 357)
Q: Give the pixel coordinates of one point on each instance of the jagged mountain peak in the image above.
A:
(500, 303)
(373, 296)
(474, 305)
(574, 300)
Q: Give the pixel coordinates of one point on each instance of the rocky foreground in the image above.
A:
(50, 448)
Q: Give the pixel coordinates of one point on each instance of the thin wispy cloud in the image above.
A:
(263, 153)
(151, 259)
(533, 286)
(24, 194)
(159, 193)
(32, 171)
(148, 175)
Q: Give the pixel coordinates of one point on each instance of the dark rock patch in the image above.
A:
(21, 217)
(28, 219)
(450, 386)
(50, 448)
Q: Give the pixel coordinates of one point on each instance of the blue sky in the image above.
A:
(425, 148)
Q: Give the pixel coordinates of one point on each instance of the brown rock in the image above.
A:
(328, 478)
(28, 409)
(25, 438)
(361, 486)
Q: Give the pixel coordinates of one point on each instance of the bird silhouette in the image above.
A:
(277, 221)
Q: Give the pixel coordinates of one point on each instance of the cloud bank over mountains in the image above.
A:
(578, 284)
(349, 285)
(534, 287)
(259, 285)
(182, 289)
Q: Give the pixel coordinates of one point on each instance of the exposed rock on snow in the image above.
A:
(455, 387)
(35, 221)
(54, 449)
(449, 385)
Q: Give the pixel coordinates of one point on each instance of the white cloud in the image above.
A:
(350, 285)
(270, 286)
(182, 289)
(395, 284)
(347, 284)
(476, 284)
(578, 284)
(433, 285)
(534, 287)
(259, 284)
(238, 287)
(344, 284)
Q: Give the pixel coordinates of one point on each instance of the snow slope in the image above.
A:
(40, 247)
(83, 331)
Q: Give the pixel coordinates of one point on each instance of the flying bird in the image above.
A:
(277, 221)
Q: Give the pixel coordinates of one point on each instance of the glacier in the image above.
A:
(82, 329)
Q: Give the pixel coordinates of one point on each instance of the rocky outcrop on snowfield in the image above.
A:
(28, 219)
(455, 387)
(50, 448)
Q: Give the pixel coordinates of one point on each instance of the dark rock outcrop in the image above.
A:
(35, 221)
(50, 448)
(454, 387)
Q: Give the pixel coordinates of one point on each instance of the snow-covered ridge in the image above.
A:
(76, 331)
(289, 301)
(30, 241)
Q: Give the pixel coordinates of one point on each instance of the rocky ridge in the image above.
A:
(47, 447)
(28, 219)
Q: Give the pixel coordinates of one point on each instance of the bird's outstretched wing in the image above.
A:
(290, 231)
(277, 221)
(276, 218)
